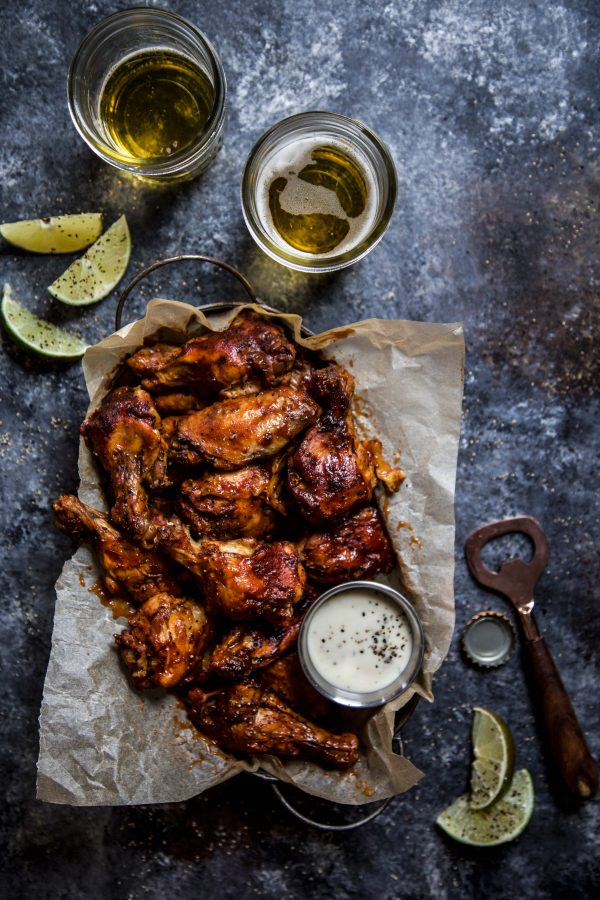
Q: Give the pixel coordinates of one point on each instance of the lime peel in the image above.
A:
(499, 823)
(55, 234)
(35, 334)
(94, 275)
(494, 757)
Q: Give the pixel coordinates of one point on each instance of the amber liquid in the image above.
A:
(155, 104)
(318, 221)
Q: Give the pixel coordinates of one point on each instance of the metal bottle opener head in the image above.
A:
(516, 578)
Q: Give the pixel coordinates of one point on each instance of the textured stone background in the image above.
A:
(491, 112)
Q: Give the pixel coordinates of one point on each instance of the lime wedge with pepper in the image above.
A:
(499, 823)
(55, 234)
(98, 271)
(494, 757)
(36, 335)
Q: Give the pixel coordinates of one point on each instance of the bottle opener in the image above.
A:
(516, 580)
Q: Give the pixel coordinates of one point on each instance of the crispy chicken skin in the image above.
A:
(147, 360)
(242, 579)
(232, 433)
(124, 434)
(168, 427)
(242, 503)
(163, 642)
(286, 679)
(166, 636)
(243, 650)
(245, 579)
(246, 718)
(177, 403)
(141, 573)
(332, 473)
(252, 346)
(356, 548)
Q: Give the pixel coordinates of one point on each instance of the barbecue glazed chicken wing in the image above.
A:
(177, 403)
(164, 641)
(357, 548)
(166, 636)
(286, 679)
(252, 347)
(243, 650)
(245, 579)
(242, 579)
(243, 503)
(124, 434)
(232, 433)
(331, 473)
(141, 573)
(246, 718)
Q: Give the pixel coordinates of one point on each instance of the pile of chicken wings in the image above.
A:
(238, 492)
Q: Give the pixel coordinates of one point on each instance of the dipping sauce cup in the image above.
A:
(146, 92)
(318, 191)
(361, 644)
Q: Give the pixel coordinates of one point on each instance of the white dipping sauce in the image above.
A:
(359, 641)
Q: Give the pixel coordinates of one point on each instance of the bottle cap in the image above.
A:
(488, 639)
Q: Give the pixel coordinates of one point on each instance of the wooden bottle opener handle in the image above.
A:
(568, 746)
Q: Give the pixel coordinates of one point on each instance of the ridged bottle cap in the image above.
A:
(488, 639)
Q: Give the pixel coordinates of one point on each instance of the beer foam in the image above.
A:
(301, 198)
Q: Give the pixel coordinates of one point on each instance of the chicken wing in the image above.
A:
(245, 579)
(141, 573)
(286, 679)
(164, 640)
(246, 718)
(252, 346)
(243, 503)
(124, 434)
(231, 433)
(148, 360)
(356, 548)
(243, 650)
(332, 472)
(176, 403)
(169, 426)
(242, 579)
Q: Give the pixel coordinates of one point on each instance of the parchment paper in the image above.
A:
(103, 743)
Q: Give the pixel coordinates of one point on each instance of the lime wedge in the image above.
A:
(501, 822)
(494, 757)
(97, 272)
(56, 234)
(37, 335)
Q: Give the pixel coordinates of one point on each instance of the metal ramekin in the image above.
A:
(364, 700)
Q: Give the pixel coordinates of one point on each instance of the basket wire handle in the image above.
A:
(322, 826)
(403, 717)
(174, 259)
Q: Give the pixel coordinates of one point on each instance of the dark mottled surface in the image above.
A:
(492, 115)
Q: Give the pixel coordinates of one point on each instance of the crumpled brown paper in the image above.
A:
(101, 742)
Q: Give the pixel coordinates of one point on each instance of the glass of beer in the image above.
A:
(318, 191)
(146, 92)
